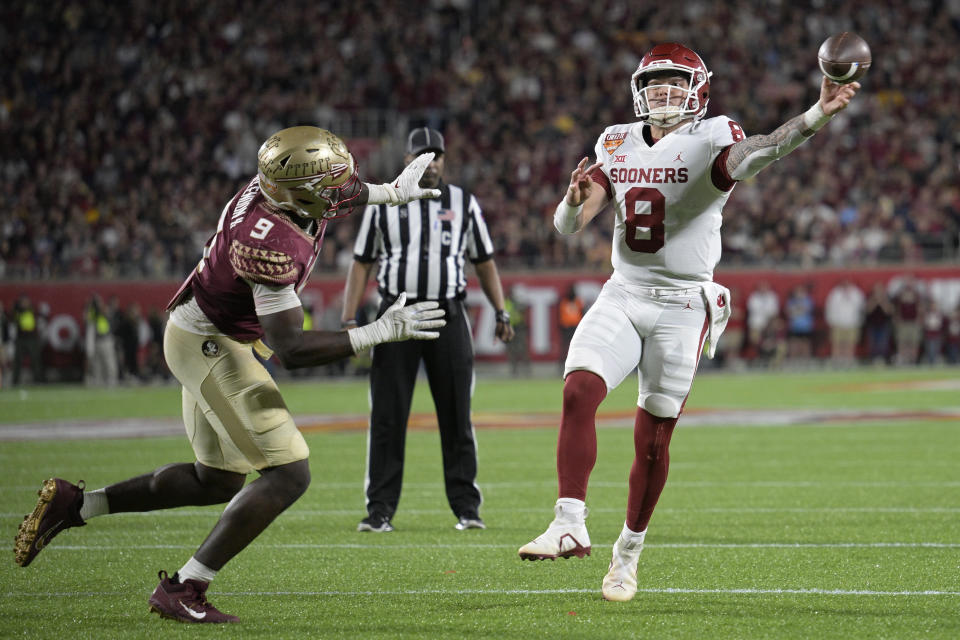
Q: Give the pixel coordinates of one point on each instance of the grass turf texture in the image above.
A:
(839, 530)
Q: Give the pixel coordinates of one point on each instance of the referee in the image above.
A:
(419, 248)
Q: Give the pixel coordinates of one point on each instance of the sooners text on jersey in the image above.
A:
(667, 230)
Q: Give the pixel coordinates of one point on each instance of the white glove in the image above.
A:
(407, 185)
(400, 323)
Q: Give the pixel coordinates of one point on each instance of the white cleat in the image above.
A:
(565, 537)
(620, 583)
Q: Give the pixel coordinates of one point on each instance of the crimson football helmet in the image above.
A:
(674, 59)
(309, 171)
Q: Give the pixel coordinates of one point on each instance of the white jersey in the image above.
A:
(667, 206)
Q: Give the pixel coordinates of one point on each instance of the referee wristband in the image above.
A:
(565, 217)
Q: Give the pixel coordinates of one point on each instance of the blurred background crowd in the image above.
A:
(127, 126)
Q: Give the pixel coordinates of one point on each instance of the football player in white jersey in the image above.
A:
(667, 178)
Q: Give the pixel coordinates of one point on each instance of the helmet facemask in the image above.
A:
(689, 105)
(311, 198)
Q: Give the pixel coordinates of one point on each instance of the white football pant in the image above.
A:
(661, 329)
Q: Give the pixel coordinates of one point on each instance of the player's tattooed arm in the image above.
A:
(792, 130)
(749, 156)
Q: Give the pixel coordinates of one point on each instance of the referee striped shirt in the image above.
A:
(421, 245)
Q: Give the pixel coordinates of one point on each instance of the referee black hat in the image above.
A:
(424, 139)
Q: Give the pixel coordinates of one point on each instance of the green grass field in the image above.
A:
(843, 529)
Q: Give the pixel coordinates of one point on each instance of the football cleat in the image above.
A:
(57, 509)
(376, 523)
(469, 522)
(620, 583)
(565, 537)
(185, 601)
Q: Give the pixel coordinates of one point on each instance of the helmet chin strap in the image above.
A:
(292, 208)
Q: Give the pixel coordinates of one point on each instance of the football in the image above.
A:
(844, 57)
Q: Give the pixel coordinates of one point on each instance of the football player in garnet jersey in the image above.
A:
(666, 178)
(242, 296)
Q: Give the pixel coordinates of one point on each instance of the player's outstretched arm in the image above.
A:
(751, 155)
(406, 187)
(400, 322)
(298, 348)
(583, 201)
(295, 348)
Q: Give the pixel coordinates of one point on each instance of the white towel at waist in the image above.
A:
(717, 299)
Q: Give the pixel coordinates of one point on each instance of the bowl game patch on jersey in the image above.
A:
(612, 141)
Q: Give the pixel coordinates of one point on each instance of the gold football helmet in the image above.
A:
(309, 171)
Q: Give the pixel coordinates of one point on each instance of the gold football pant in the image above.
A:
(234, 415)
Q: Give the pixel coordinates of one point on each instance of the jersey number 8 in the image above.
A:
(645, 211)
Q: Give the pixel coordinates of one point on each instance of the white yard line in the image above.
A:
(525, 592)
(417, 592)
(109, 546)
(206, 512)
(152, 427)
(552, 483)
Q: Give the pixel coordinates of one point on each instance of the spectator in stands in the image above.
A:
(951, 336)
(878, 324)
(763, 305)
(799, 310)
(907, 321)
(127, 336)
(28, 341)
(569, 315)
(5, 343)
(933, 332)
(120, 200)
(518, 349)
(155, 365)
(102, 364)
(843, 312)
(772, 346)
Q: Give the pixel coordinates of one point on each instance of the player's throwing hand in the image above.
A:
(581, 183)
(835, 97)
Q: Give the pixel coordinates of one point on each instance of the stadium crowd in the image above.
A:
(128, 125)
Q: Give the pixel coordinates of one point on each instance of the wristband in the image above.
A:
(814, 118)
(565, 218)
(362, 338)
(503, 316)
(381, 194)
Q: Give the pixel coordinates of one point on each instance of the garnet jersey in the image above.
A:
(667, 199)
(253, 243)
